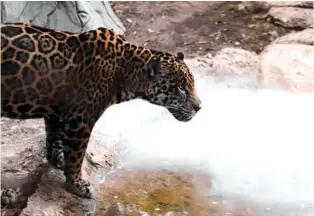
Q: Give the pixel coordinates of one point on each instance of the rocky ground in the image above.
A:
(202, 29)
(256, 34)
(196, 28)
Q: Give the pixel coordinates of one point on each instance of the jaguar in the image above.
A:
(70, 79)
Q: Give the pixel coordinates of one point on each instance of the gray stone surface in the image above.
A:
(73, 16)
(302, 37)
(50, 198)
(303, 4)
(22, 154)
(292, 17)
(235, 61)
(23, 164)
(289, 66)
(231, 61)
(264, 6)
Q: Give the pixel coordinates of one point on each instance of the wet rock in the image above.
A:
(68, 16)
(292, 17)
(289, 66)
(301, 37)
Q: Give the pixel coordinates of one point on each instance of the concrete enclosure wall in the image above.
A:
(73, 16)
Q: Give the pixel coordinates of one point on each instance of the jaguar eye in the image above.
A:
(182, 90)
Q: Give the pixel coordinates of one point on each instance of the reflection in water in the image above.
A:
(254, 143)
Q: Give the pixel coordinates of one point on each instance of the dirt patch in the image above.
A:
(195, 28)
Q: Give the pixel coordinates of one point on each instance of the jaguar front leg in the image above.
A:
(54, 144)
(76, 137)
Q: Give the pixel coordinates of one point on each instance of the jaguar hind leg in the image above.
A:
(54, 142)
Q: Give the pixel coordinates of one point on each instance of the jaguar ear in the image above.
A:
(154, 68)
(180, 55)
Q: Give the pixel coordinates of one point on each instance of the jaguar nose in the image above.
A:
(198, 105)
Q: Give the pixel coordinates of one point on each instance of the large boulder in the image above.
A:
(299, 37)
(292, 17)
(73, 16)
(290, 66)
(228, 61)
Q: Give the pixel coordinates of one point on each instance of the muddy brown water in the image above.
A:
(174, 193)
